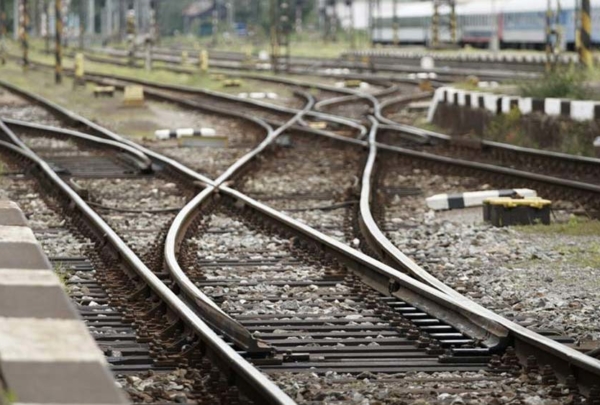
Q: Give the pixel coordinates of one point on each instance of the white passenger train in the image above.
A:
(521, 23)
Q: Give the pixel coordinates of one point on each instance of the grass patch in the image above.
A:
(63, 276)
(306, 44)
(576, 226)
(582, 256)
(562, 83)
(195, 79)
(422, 123)
(507, 128)
(7, 397)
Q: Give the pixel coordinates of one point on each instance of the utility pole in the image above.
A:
(273, 35)
(24, 23)
(548, 36)
(435, 25)
(395, 27)
(2, 31)
(577, 26)
(298, 17)
(91, 17)
(46, 27)
(131, 31)
(156, 11)
(16, 20)
(58, 41)
(449, 22)
(215, 22)
(281, 27)
(351, 24)
(495, 40)
(453, 36)
(81, 25)
(585, 51)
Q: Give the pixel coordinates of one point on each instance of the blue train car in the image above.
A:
(521, 23)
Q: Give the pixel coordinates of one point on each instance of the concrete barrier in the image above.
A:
(47, 355)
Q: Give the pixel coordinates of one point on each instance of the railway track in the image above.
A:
(331, 67)
(114, 295)
(560, 165)
(413, 326)
(112, 299)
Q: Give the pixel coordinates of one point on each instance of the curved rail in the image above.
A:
(191, 90)
(586, 369)
(210, 312)
(77, 119)
(176, 234)
(142, 161)
(258, 383)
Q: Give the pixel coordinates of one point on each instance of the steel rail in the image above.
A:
(191, 90)
(409, 129)
(261, 387)
(141, 160)
(311, 63)
(585, 368)
(385, 279)
(176, 234)
(77, 119)
(233, 330)
(247, 201)
(185, 89)
(542, 178)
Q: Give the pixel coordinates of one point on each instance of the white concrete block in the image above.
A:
(29, 278)
(46, 340)
(582, 110)
(525, 105)
(552, 106)
(16, 234)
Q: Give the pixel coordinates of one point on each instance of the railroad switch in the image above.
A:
(506, 211)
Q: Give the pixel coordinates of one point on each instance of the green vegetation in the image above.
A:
(576, 226)
(582, 256)
(306, 44)
(63, 275)
(422, 123)
(562, 83)
(562, 135)
(192, 79)
(7, 397)
(508, 128)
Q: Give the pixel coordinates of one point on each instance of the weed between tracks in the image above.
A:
(7, 397)
(63, 276)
